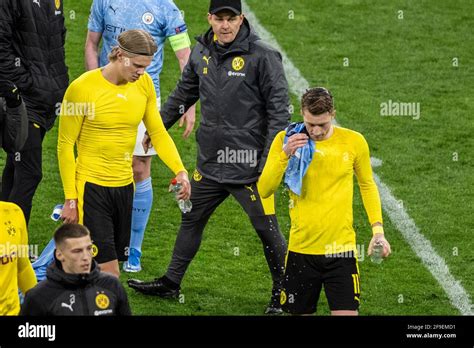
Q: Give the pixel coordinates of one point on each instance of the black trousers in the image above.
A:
(206, 196)
(23, 170)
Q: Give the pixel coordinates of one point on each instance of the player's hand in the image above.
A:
(146, 143)
(185, 192)
(70, 214)
(294, 143)
(379, 237)
(190, 119)
(10, 92)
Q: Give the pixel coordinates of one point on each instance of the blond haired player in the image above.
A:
(101, 112)
(319, 161)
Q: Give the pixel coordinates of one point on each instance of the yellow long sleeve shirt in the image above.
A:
(102, 119)
(322, 217)
(15, 267)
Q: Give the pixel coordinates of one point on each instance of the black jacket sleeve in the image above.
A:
(17, 126)
(11, 67)
(274, 87)
(13, 127)
(123, 307)
(31, 306)
(185, 95)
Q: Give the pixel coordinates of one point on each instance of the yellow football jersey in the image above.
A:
(102, 119)
(322, 217)
(15, 267)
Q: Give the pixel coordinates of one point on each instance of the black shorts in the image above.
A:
(107, 213)
(306, 274)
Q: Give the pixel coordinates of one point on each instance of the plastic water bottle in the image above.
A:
(57, 211)
(377, 252)
(185, 205)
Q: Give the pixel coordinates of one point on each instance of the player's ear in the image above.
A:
(59, 255)
(209, 17)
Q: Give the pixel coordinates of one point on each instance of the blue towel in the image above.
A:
(45, 259)
(41, 265)
(299, 162)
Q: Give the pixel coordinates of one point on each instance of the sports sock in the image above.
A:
(142, 203)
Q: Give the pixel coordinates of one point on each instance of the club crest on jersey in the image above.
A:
(102, 301)
(148, 18)
(238, 63)
(197, 176)
(10, 228)
(95, 250)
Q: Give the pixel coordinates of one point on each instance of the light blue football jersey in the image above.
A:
(161, 18)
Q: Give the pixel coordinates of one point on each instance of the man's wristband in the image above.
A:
(377, 229)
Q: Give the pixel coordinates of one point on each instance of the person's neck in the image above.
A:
(328, 134)
(110, 73)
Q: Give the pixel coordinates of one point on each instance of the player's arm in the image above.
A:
(10, 65)
(32, 306)
(274, 89)
(123, 307)
(274, 169)
(91, 50)
(163, 143)
(16, 118)
(181, 44)
(184, 95)
(26, 275)
(95, 26)
(189, 118)
(370, 194)
(69, 128)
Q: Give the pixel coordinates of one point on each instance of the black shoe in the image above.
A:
(274, 307)
(156, 287)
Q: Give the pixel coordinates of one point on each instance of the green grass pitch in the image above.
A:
(366, 53)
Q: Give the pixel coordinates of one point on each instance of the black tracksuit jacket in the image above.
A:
(92, 294)
(32, 36)
(244, 102)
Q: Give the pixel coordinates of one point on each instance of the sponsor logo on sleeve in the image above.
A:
(181, 29)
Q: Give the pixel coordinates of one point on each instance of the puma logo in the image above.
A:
(72, 300)
(37, 2)
(320, 152)
(249, 188)
(207, 59)
(113, 9)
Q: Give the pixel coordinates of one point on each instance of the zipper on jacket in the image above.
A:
(84, 299)
(220, 62)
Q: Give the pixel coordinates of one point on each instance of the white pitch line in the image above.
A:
(421, 246)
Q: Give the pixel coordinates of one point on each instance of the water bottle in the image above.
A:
(377, 252)
(184, 205)
(57, 211)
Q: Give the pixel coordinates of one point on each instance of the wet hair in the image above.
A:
(134, 43)
(317, 101)
(67, 231)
